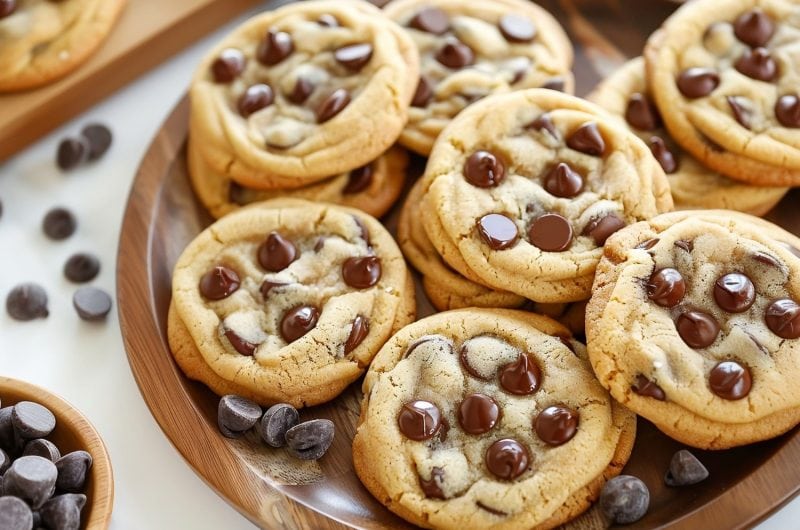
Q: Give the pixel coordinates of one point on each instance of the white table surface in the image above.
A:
(86, 363)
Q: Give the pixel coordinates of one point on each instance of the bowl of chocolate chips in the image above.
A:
(55, 473)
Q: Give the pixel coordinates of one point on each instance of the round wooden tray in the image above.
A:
(162, 216)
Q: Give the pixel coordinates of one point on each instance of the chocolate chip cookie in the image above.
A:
(470, 50)
(693, 185)
(287, 301)
(694, 324)
(524, 188)
(43, 40)
(373, 188)
(307, 91)
(487, 419)
(723, 74)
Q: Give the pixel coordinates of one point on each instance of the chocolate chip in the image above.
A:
(363, 230)
(72, 152)
(730, 380)
(551, 233)
(423, 94)
(516, 28)
(236, 414)
(563, 181)
(277, 420)
(73, 469)
(59, 223)
(362, 272)
(41, 447)
(682, 244)
(5, 463)
(498, 231)
(648, 244)
(228, 66)
(521, 377)
(641, 113)
(787, 110)
(63, 512)
(734, 292)
(239, 344)
(766, 259)
(587, 139)
(359, 179)
(478, 414)
(740, 113)
(358, 332)
(663, 155)
(555, 83)
(91, 304)
(274, 48)
(7, 7)
(697, 329)
(327, 20)
(544, 123)
(455, 54)
(666, 287)
(754, 28)
(484, 169)
(354, 57)
(99, 138)
(301, 91)
(277, 252)
(218, 283)
(310, 440)
(464, 357)
(645, 387)
(624, 499)
(32, 479)
(14, 513)
(333, 105)
(431, 20)
(758, 64)
(783, 318)
(698, 82)
(507, 459)
(493, 511)
(9, 442)
(556, 425)
(419, 420)
(27, 301)
(684, 470)
(255, 98)
(433, 487)
(601, 228)
(298, 321)
(82, 267)
(31, 420)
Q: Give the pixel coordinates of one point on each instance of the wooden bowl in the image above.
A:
(73, 432)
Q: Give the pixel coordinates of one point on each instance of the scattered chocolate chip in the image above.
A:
(698, 82)
(73, 469)
(255, 98)
(645, 387)
(298, 321)
(277, 420)
(734, 292)
(758, 64)
(362, 272)
(455, 54)
(551, 233)
(641, 113)
(328, 21)
(663, 155)
(498, 231)
(648, 244)
(218, 283)
(754, 28)
(40, 447)
(433, 486)
(59, 223)
(354, 57)
(239, 344)
(63, 512)
(685, 470)
(544, 123)
(236, 414)
(91, 304)
(359, 179)
(27, 301)
(99, 137)
(601, 228)
(31, 420)
(730, 380)
(484, 169)
(740, 113)
(274, 48)
(697, 329)
(228, 66)
(277, 252)
(32, 479)
(310, 440)
(72, 152)
(787, 110)
(556, 425)
(431, 20)
(587, 139)
(14, 513)
(507, 459)
(82, 267)
(478, 414)
(783, 318)
(521, 377)
(666, 287)
(333, 105)
(624, 499)
(563, 181)
(301, 91)
(7, 7)
(358, 332)
(516, 28)
(419, 420)
(682, 244)
(423, 94)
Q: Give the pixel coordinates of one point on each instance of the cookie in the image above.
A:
(693, 324)
(307, 91)
(470, 50)
(693, 186)
(723, 74)
(524, 188)
(373, 188)
(287, 301)
(446, 288)
(43, 40)
(487, 419)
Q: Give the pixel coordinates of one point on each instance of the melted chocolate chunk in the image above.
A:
(484, 169)
(666, 287)
(641, 114)
(362, 272)
(498, 231)
(556, 425)
(419, 420)
(274, 48)
(507, 459)
(359, 179)
(563, 181)
(478, 414)
(587, 139)
(239, 344)
(734, 292)
(551, 233)
(354, 57)
(254, 99)
(464, 356)
(298, 321)
(455, 54)
(665, 157)
(516, 28)
(601, 228)
(647, 245)
(521, 377)
(431, 20)
(333, 105)
(544, 123)
(739, 111)
(423, 94)
(787, 110)
(730, 380)
(758, 64)
(277, 252)
(783, 318)
(358, 333)
(432, 488)
(698, 82)
(301, 91)
(754, 28)
(645, 387)
(697, 329)
(228, 66)
(218, 283)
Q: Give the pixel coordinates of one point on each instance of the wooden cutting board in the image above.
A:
(148, 32)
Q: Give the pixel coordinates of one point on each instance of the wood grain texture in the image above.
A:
(162, 216)
(148, 32)
(73, 432)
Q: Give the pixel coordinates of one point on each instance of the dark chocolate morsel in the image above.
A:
(587, 139)
(754, 28)
(237, 414)
(478, 414)
(697, 329)
(601, 228)
(423, 94)
(310, 440)
(301, 91)
(507, 459)
(517, 28)
(455, 54)
(544, 123)
(274, 48)
(563, 181)
(698, 82)
(641, 113)
(556, 425)
(521, 377)
(757, 64)
(228, 66)
(431, 20)
(32, 420)
(624, 499)
(59, 223)
(363, 230)
(239, 344)
(682, 244)
(730, 380)
(354, 57)
(734, 292)
(359, 179)
(277, 420)
(298, 321)
(255, 98)
(99, 137)
(27, 301)
(91, 303)
(740, 113)
(362, 272)
(82, 267)
(665, 157)
(73, 470)
(783, 318)
(277, 252)
(32, 479)
(684, 470)
(484, 169)
(645, 387)
(432, 487)
(14, 513)
(218, 283)
(787, 110)
(648, 244)
(72, 152)
(63, 512)
(666, 287)
(551, 233)
(333, 105)
(498, 231)
(419, 420)
(7, 7)
(464, 357)
(39, 447)
(358, 332)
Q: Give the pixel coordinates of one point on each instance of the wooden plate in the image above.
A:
(162, 217)
(73, 432)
